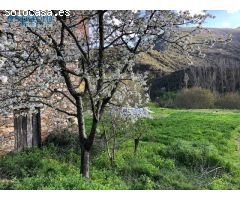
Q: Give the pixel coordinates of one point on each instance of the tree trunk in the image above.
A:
(85, 154)
(136, 143)
(85, 163)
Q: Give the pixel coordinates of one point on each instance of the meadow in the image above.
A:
(179, 149)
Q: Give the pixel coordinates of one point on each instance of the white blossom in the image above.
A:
(4, 79)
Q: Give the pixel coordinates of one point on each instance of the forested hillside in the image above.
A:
(219, 70)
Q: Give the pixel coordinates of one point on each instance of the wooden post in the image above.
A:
(27, 129)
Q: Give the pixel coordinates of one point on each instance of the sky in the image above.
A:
(223, 19)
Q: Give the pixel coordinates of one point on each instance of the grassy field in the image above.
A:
(181, 149)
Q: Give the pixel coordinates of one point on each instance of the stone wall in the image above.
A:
(50, 121)
(7, 139)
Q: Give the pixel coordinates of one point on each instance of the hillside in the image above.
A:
(168, 61)
(218, 71)
(181, 149)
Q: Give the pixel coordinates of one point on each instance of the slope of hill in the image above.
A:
(223, 60)
(170, 61)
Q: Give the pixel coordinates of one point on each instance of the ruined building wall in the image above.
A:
(50, 121)
(7, 138)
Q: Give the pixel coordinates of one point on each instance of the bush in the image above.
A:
(64, 139)
(229, 101)
(199, 156)
(194, 98)
(166, 99)
(22, 164)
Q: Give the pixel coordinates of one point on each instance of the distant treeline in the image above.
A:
(220, 79)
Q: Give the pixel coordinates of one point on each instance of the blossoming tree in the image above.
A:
(88, 55)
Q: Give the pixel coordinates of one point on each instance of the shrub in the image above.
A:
(199, 156)
(143, 183)
(22, 164)
(63, 139)
(194, 98)
(229, 101)
(166, 99)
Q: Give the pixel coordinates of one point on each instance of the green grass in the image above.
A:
(181, 149)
